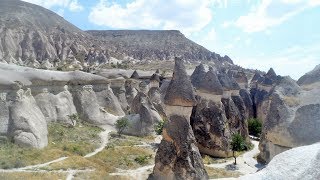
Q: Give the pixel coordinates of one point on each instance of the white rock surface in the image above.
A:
(295, 164)
(29, 127)
(10, 73)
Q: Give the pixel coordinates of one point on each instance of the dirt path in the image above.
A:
(246, 163)
(70, 173)
(104, 140)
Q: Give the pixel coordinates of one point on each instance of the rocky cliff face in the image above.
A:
(292, 118)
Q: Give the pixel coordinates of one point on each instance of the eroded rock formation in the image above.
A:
(29, 127)
(178, 156)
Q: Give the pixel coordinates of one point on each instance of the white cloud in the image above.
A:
(272, 13)
(186, 15)
(294, 61)
(74, 6)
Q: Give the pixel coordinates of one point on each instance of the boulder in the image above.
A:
(29, 127)
(178, 156)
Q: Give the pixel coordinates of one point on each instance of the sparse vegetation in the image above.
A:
(121, 124)
(159, 127)
(215, 173)
(237, 144)
(33, 175)
(255, 127)
(62, 141)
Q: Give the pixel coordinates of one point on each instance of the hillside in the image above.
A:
(34, 36)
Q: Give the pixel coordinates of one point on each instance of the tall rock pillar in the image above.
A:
(178, 156)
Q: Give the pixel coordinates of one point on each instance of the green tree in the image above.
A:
(237, 144)
(158, 128)
(254, 126)
(121, 124)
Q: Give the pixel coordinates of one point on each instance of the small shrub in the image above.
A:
(143, 159)
(255, 127)
(121, 124)
(158, 128)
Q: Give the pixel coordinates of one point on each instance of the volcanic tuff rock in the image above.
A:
(109, 101)
(198, 75)
(211, 128)
(149, 116)
(293, 118)
(34, 36)
(30, 32)
(154, 45)
(180, 91)
(57, 108)
(29, 127)
(178, 156)
(210, 83)
(227, 82)
(297, 163)
(310, 77)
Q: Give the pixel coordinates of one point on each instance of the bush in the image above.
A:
(159, 127)
(254, 126)
(121, 125)
(143, 159)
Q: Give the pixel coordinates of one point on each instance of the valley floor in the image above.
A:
(124, 157)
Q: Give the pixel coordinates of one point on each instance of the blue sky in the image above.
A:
(258, 34)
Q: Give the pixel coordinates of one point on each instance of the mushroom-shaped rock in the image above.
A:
(210, 83)
(211, 128)
(198, 75)
(178, 156)
(180, 91)
(227, 82)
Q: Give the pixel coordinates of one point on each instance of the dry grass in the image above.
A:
(212, 160)
(32, 175)
(125, 140)
(215, 173)
(62, 141)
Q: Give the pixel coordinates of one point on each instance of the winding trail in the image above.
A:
(246, 163)
(104, 136)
